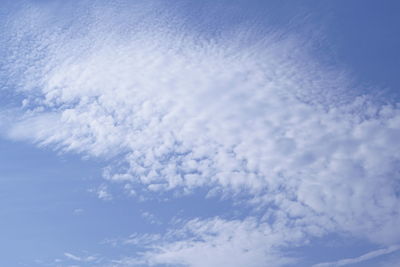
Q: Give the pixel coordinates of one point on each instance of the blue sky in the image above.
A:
(199, 133)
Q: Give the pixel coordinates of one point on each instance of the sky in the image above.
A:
(199, 133)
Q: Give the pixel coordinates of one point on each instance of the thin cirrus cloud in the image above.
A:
(365, 257)
(217, 242)
(174, 111)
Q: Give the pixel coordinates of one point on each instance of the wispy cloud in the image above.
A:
(80, 259)
(78, 211)
(209, 242)
(365, 257)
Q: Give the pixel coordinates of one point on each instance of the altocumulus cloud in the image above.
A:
(174, 110)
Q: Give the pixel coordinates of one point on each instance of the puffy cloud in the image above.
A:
(176, 111)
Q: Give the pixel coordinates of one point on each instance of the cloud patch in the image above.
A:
(365, 257)
(175, 111)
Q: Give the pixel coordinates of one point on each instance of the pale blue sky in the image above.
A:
(199, 133)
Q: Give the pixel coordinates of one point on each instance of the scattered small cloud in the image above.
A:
(87, 259)
(102, 192)
(150, 217)
(78, 211)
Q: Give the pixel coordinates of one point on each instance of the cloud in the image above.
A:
(365, 257)
(102, 192)
(174, 111)
(216, 242)
(80, 259)
(71, 256)
(150, 217)
(78, 211)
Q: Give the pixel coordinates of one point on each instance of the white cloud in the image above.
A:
(365, 257)
(78, 211)
(102, 192)
(80, 259)
(216, 242)
(176, 111)
(72, 257)
(150, 217)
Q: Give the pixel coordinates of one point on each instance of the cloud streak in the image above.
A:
(365, 257)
